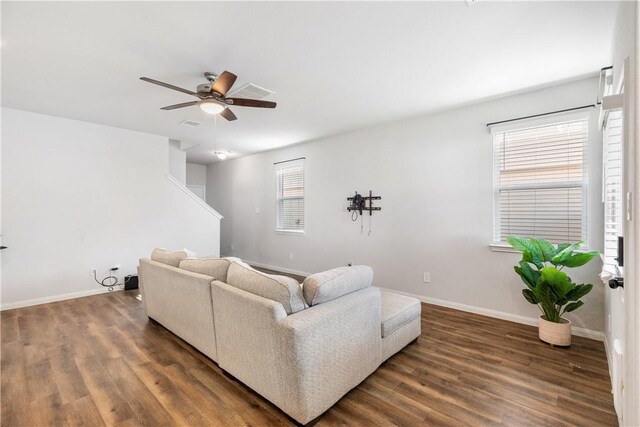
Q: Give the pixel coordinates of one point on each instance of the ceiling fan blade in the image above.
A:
(244, 102)
(169, 86)
(184, 104)
(223, 83)
(228, 114)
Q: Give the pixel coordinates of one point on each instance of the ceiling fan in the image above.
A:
(212, 96)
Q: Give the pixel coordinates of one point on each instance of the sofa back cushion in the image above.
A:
(282, 289)
(167, 257)
(214, 267)
(331, 284)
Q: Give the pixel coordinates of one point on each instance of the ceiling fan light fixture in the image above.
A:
(210, 106)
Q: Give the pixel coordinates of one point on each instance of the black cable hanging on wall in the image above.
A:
(358, 204)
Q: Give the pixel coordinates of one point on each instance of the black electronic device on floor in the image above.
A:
(130, 282)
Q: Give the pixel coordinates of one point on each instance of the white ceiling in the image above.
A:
(334, 66)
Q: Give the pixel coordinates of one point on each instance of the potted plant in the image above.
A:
(548, 286)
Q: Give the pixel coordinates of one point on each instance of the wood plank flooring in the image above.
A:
(99, 361)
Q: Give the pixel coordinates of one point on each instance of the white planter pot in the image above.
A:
(555, 333)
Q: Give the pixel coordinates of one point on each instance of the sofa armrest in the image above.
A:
(181, 301)
(327, 350)
(246, 338)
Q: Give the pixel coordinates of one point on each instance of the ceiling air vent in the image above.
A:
(250, 91)
(188, 123)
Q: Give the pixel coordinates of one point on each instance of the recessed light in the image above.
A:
(222, 154)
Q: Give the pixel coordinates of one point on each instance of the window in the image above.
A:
(290, 196)
(540, 182)
(612, 186)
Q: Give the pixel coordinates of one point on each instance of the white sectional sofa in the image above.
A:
(302, 347)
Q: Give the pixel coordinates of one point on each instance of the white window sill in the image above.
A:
(502, 247)
(610, 271)
(294, 232)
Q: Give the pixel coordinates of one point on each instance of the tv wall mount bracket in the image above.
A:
(359, 203)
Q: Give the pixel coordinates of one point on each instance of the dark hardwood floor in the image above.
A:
(98, 360)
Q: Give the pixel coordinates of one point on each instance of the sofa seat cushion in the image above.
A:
(396, 311)
(282, 289)
(167, 257)
(212, 267)
(331, 284)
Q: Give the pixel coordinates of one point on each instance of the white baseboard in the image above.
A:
(581, 332)
(609, 359)
(54, 298)
(276, 268)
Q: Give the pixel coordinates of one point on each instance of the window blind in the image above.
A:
(540, 181)
(290, 195)
(612, 186)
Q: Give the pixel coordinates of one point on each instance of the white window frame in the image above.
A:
(609, 253)
(278, 167)
(499, 246)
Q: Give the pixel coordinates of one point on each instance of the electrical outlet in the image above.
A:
(231, 247)
(257, 211)
(427, 277)
(93, 272)
(290, 255)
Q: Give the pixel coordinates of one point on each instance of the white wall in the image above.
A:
(78, 196)
(196, 174)
(434, 174)
(177, 159)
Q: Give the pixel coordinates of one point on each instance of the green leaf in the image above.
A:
(526, 256)
(557, 280)
(519, 243)
(573, 306)
(531, 252)
(578, 292)
(529, 296)
(547, 301)
(544, 294)
(546, 248)
(565, 253)
(529, 276)
(534, 258)
(579, 259)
